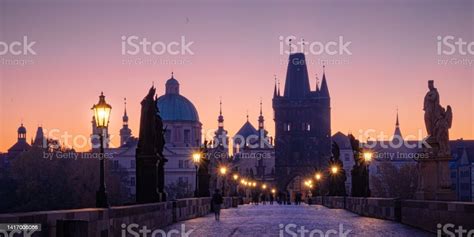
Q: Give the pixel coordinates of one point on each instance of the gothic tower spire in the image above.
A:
(324, 84)
(397, 134)
(260, 118)
(125, 131)
(297, 82)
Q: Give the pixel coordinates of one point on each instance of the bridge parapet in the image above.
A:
(111, 221)
(423, 214)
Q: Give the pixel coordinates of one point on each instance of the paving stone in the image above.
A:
(266, 220)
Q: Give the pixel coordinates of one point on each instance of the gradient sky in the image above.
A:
(236, 53)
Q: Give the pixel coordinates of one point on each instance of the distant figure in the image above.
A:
(216, 203)
(271, 199)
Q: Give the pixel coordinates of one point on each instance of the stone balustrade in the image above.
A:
(111, 221)
(426, 215)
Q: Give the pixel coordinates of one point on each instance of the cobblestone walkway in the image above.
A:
(271, 220)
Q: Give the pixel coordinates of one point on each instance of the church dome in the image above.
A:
(175, 107)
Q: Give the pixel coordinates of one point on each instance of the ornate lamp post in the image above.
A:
(223, 172)
(102, 116)
(196, 160)
(236, 183)
(367, 159)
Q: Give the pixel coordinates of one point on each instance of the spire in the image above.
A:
(247, 115)
(297, 82)
(397, 134)
(278, 87)
(260, 118)
(220, 106)
(125, 116)
(324, 85)
(275, 91)
(397, 124)
(317, 83)
(220, 119)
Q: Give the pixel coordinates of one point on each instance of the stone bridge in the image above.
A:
(328, 216)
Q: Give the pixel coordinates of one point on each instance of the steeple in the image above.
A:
(260, 118)
(39, 138)
(278, 87)
(397, 134)
(125, 131)
(297, 82)
(324, 85)
(220, 119)
(125, 116)
(275, 93)
(317, 83)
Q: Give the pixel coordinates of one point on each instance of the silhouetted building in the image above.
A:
(302, 126)
(20, 146)
(182, 135)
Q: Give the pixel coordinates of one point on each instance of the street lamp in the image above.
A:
(368, 156)
(102, 116)
(196, 160)
(236, 177)
(264, 186)
(223, 172)
(318, 176)
(334, 169)
(367, 159)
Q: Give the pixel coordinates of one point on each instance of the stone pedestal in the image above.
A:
(434, 176)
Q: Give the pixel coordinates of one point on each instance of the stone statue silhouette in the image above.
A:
(149, 154)
(437, 120)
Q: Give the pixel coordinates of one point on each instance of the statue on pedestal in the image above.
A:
(434, 178)
(437, 120)
(149, 154)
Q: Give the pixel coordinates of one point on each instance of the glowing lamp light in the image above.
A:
(273, 190)
(236, 176)
(102, 112)
(196, 157)
(264, 186)
(318, 176)
(368, 156)
(334, 169)
(223, 170)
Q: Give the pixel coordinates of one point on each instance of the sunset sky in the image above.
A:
(236, 50)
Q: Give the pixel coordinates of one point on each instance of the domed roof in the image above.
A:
(21, 129)
(175, 107)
